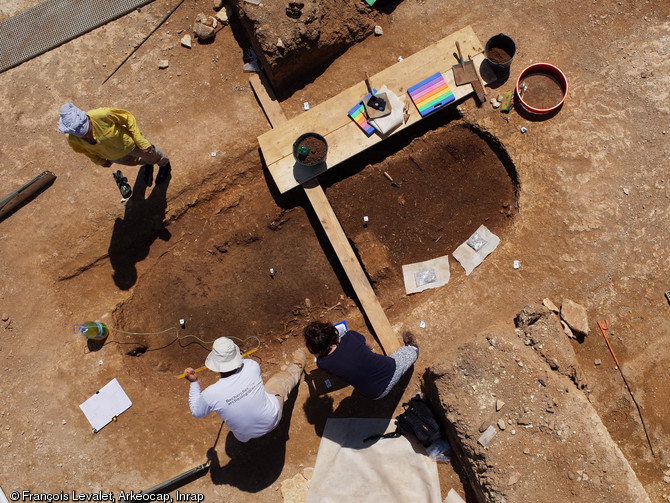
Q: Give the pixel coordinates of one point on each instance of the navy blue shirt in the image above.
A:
(369, 373)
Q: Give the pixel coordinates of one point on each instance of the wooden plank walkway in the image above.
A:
(345, 139)
(367, 298)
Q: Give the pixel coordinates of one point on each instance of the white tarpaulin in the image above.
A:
(391, 470)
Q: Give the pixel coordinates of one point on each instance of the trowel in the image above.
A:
(465, 73)
(377, 105)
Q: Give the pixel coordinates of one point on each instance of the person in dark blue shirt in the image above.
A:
(351, 359)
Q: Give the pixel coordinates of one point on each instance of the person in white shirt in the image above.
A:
(249, 408)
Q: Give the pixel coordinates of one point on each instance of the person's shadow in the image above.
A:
(256, 464)
(134, 234)
(319, 406)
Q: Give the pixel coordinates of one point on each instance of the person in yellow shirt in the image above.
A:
(111, 135)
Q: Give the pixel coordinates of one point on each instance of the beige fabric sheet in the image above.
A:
(470, 258)
(389, 470)
(421, 276)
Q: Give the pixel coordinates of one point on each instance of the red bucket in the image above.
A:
(546, 88)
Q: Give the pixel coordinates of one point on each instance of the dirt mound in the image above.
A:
(290, 49)
(547, 437)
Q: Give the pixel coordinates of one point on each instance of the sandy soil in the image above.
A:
(585, 213)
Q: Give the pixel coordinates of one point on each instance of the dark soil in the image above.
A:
(450, 182)
(218, 276)
(498, 55)
(317, 150)
(544, 90)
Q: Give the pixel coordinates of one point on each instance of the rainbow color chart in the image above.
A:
(358, 115)
(431, 94)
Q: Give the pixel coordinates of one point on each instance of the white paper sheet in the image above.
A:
(105, 405)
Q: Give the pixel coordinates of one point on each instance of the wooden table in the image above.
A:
(345, 139)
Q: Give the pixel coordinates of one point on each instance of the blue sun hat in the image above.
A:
(73, 120)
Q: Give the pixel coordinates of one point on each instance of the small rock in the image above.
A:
(542, 382)
(500, 98)
(487, 436)
(5, 317)
(186, 41)
(597, 362)
(295, 488)
(64, 421)
(280, 44)
(666, 479)
(499, 405)
(571, 476)
(567, 330)
(550, 305)
(575, 316)
(378, 31)
(308, 303)
(514, 478)
(526, 451)
(224, 15)
(501, 424)
(163, 64)
(484, 426)
(204, 26)
(625, 190)
(495, 103)
(217, 4)
(524, 130)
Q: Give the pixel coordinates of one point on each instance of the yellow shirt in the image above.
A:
(115, 132)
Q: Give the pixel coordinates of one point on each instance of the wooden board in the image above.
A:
(266, 97)
(352, 267)
(345, 139)
(338, 239)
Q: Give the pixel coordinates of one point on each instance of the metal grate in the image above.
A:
(54, 22)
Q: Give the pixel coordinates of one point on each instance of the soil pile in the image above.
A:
(546, 436)
(289, 48)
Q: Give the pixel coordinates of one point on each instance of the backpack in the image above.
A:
(417, 419)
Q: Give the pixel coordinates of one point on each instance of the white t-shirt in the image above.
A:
(240, 400)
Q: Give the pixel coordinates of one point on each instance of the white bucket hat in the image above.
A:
(224, 357)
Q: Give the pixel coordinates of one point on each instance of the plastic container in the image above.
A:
(93, 330)
(297, 151)
(553, 76)
(498, 46)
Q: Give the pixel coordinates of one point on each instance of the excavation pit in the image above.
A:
(446, 183)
